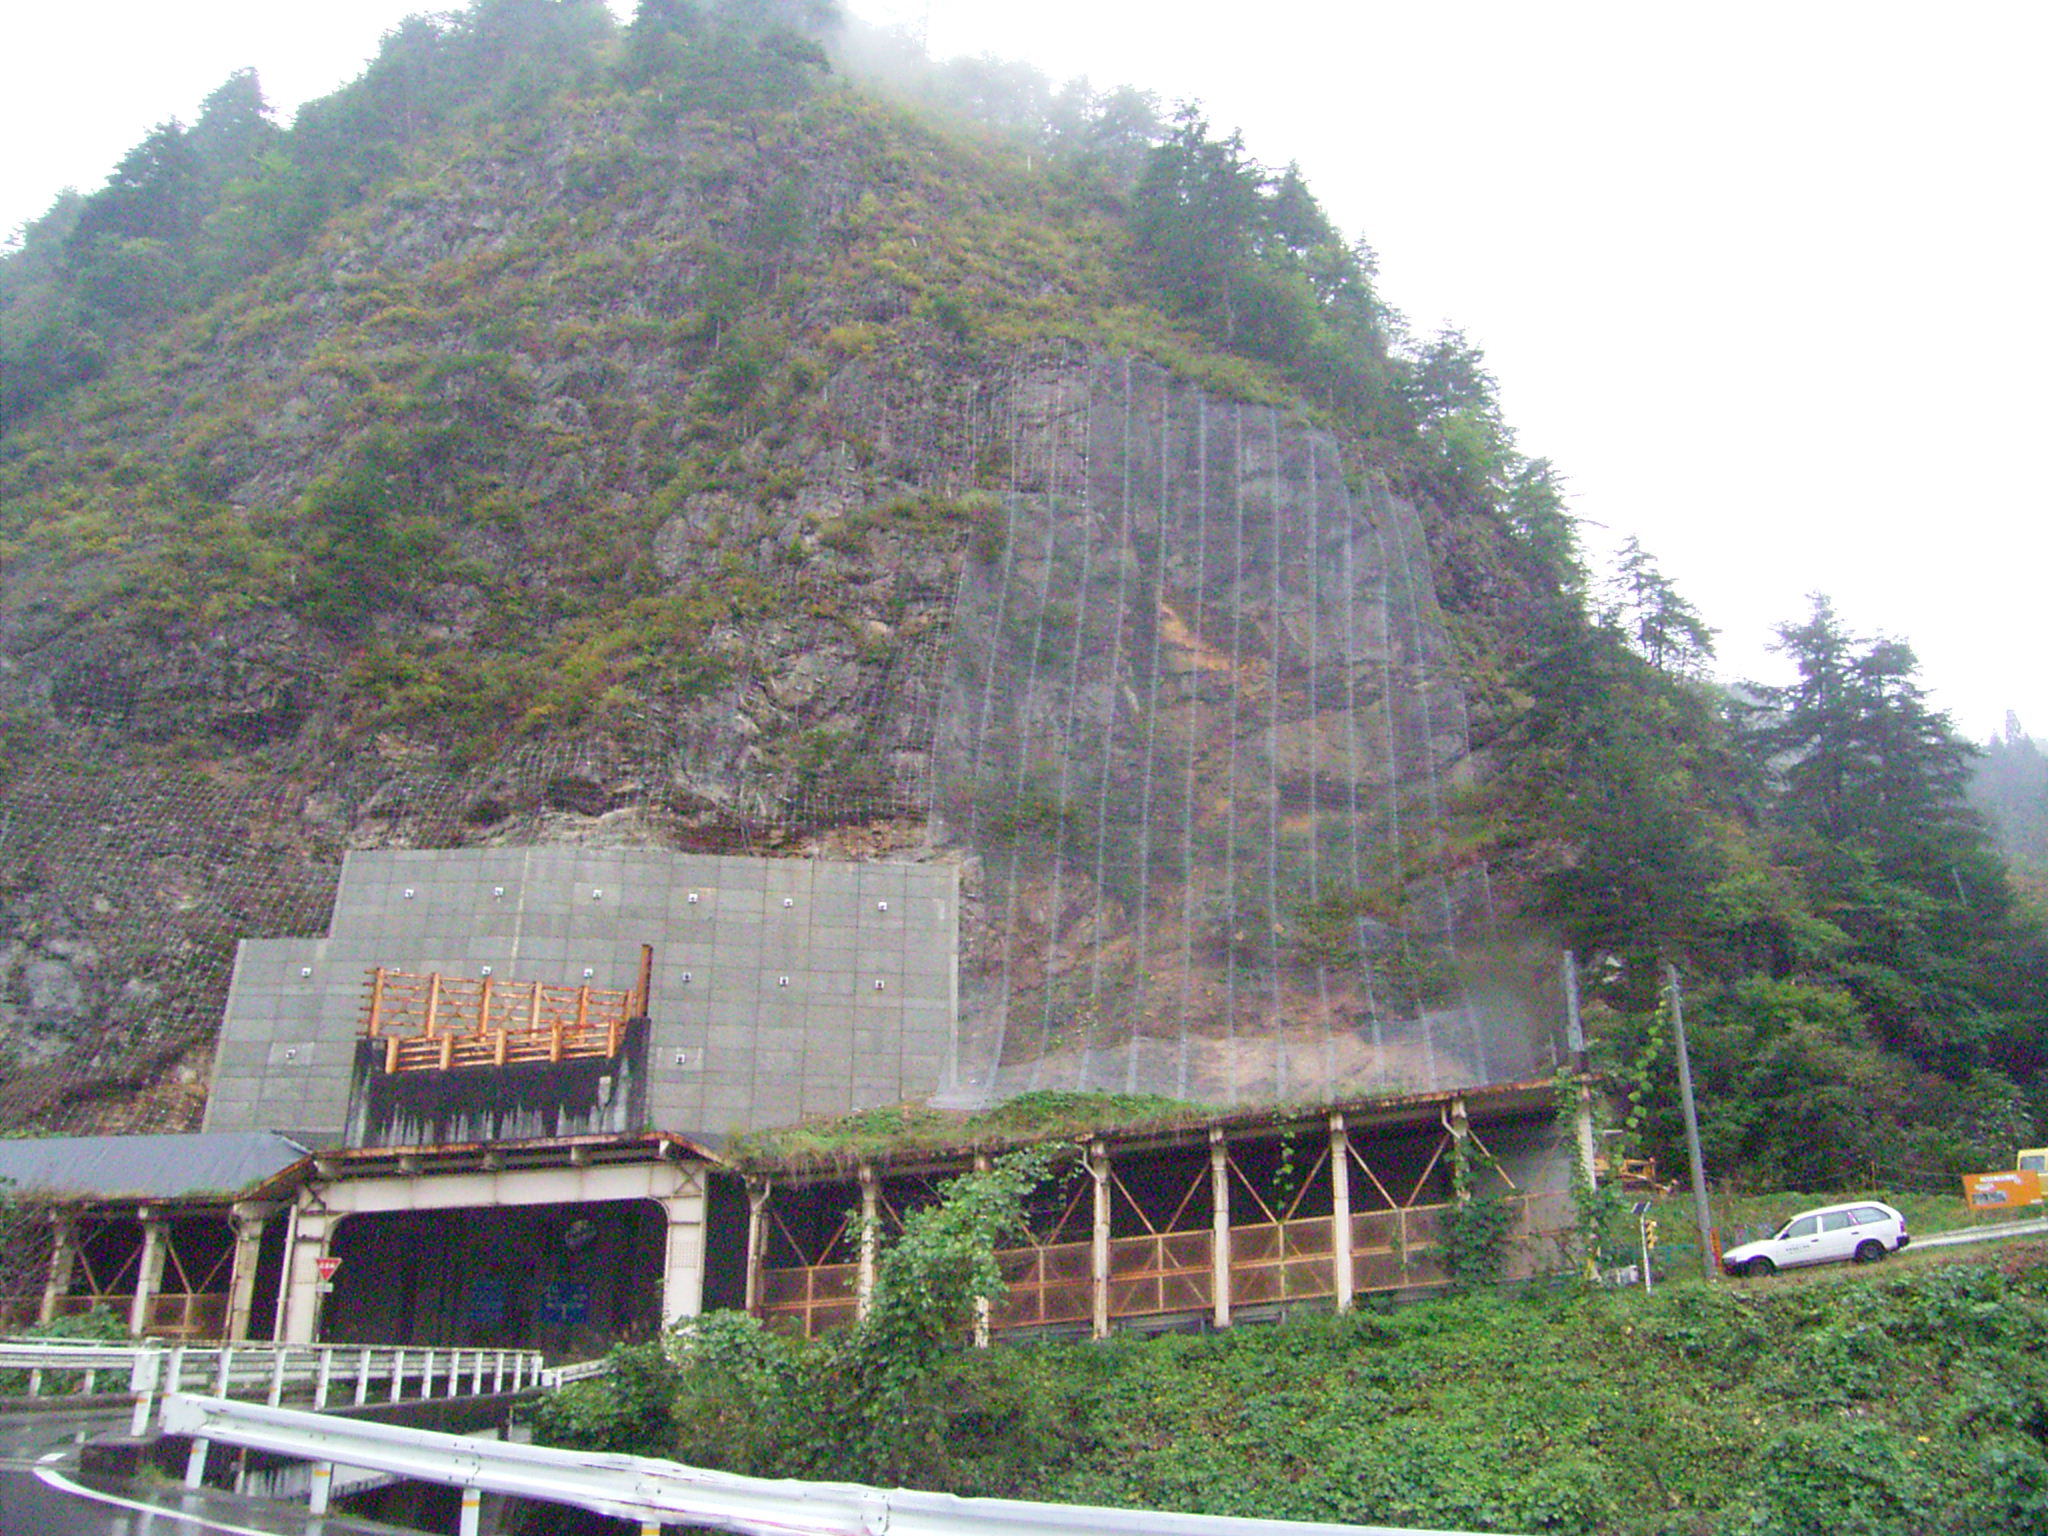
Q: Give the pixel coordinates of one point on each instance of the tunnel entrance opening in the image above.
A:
(570, 1279)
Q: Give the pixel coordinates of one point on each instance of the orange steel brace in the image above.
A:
(376, 1001)
(433, 1002)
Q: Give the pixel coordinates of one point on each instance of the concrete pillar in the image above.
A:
(983, 1316)
(870, 1233)
(299, 1295)
(758, 1191)
(1098, 1256)
(149, 1270)
(1583, 1124)
(250, 1218)
(682, 1273)
(1341, 1271)
(1460, 1126)
(63, 1260)
(1219, 1225)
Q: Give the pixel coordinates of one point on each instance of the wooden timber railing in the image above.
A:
(434, 1022)
(1175, 1273)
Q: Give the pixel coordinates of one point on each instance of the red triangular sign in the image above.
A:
(327, 1265)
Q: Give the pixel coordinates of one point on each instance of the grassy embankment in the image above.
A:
(1903, 1398)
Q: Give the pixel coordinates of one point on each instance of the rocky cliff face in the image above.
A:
(640, 480)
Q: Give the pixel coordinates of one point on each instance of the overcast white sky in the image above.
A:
(1764, 280)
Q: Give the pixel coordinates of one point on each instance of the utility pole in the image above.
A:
(1701, 1215)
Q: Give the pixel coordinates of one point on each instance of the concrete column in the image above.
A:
(1219, 1225)
(299, 1292)
(1460, 1126)
(682, 1275)
(250, 1218)
(758, 1191)
(63, 1260)
(870, 1233)
(1340, 1212)
(149, 1270)
(983, 1316)
(1098, 1256)
(1583, 1124)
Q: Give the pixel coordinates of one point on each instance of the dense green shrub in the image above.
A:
(1886, 1405)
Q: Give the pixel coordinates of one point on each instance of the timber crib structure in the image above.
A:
(435, 1022)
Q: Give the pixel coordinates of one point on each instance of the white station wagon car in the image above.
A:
(1864, 1230)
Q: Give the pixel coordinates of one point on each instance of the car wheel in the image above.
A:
(1869, 1251)
(1756, 1269)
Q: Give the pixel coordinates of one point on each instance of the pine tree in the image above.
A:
(1662, 626)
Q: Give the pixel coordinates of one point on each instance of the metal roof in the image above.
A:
(148, 1167)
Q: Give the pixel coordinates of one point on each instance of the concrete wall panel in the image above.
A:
(753, 1051)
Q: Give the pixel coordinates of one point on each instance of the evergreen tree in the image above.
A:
(153, 194)
(2010, 788)
(1196, 214)
(1869, 802)
(1862, 757)
(234, 129)
(1663, 627)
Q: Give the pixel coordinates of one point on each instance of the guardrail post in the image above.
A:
(322, 1489)
(277, 1376)
(498, 1375)
(363, 1379)
(195, 1463)
(427, 1378)
(397, 1374)
(472, 1512)
(35, 1382)
(321, 1380)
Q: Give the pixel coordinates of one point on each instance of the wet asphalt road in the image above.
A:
(30, 1506)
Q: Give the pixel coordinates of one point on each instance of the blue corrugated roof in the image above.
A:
(148, 1167)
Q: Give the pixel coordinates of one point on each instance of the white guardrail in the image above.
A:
(330, 1375)
(656, 1493)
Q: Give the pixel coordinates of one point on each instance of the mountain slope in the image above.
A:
(605, 470)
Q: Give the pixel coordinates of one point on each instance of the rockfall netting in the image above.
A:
(1187, 715)
(1200, 734)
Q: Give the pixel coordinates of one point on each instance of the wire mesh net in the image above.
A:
(1199, 736)
(1188, 718)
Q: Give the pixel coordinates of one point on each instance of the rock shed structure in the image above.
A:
(489, 1108)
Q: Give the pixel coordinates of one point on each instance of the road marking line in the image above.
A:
(64, 1485)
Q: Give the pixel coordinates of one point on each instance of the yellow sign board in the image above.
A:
(1998, 1191)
